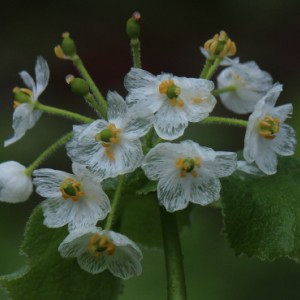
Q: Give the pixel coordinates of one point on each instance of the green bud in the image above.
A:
(133, 26)
(68, 45)
(79, 87)
(22, 97)
(104, 135)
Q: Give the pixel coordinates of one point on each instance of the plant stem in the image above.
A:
(173, 256)
(91, 101)
(45, 154)
(228, 121)
(213, 68)
(207, 66)
(115, 202)
(62, 113)
(79, 65)
(230, 88)
(136, 54)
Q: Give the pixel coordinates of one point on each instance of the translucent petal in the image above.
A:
(42, 76)
(170, 122)
(194, 85)
(117, 107)
(285, 142)
(225, 163)
(283, 111)
(28, 80)
(92, 264)
(24, 118)
(266, 158)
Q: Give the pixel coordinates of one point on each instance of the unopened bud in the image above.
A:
(133, 26)
(78, 85)
(68, 45)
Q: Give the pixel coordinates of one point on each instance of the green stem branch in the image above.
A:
(62, 113)
(207, 66)
(227, 121)
(136, 52)
(173, 256)
(230, 88)
(115, 202)
(81, 68)
(48, 152)
(213, 68)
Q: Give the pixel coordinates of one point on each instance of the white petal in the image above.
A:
(266, 158)
(24, 118)
(138, 78)
(15, 185)
(269, 100)
(28, 80)
(117, 107)
(285, 142)
(245, 167)
(170, 122)
(225, 163)
(195, 85)
(47, 182)
(41, 76)
(283, 111)
(92, 264)
(226, 60)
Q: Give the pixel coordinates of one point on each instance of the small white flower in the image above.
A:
(111, 148)
(187, 173)
(15, 185)
(226, 61)
(266, 133)
(77, 200)
(251, 85)
(25, 116)
(97, 250)
(175, 101)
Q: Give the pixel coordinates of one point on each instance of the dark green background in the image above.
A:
(265, 31)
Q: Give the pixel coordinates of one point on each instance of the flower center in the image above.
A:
(172, 91)
(187, 165)
(22, 95)
(70, 189)
(99, 245)
(108, 137)
(268, 127)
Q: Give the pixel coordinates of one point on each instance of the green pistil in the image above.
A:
(188, 164)
(173, 91)
(105, 135)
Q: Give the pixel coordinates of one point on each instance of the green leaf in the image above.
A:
(262, 215)
(148, 187)
(140, 219)
(47, 276)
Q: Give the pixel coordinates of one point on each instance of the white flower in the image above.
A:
(97, 250)
(111, 148)
(15, 185)
(77, 200)
(226, 61)
(174, 100)
(25, 116)
(187, 173)
(266, 133)
(251, 85)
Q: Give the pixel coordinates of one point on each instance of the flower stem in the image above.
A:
(207, 66)
(115, 202)
(91, 101)
(62, 113)
(213, 68)
(48, 152)
(230, 88)
(79, 65)
(136, 52)
(173, 256)
(227, 121)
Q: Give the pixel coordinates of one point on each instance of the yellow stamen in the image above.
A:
(26, 91)
(268, 127)
(99, 245)
(59, 52)
(111, 248)
(16, 104)
(197, 100)
(188, 165)
(164, 86)
(109, 154)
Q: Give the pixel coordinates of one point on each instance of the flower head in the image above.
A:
(97, 250)
(77, 200)
(187, 172)
(250, 82)
(266, 133)
(110, 148)
(175, 101)
(25, 116)
(15, 185)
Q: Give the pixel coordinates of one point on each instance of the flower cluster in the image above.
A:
(137, 132)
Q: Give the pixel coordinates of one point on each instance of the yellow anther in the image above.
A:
(69, 78)
(59, 52)
(164, 86)
(103, 241)
(176, 102)
(109, 154)
(26, 91)
(197, 100)
(194, 173)
(111, 248)
(197, 161)
(99, 245)
(268, 127)
(188, 165)
(16, 104)
(70, 189)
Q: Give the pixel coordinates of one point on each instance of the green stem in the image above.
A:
(230, 88)
(136, 53)
(48, 152)
(79, 65)
(213, 68)
(115, 202)
(62, 113)
(91, 101)
(227, 121)
(173, 256)
(207, 66)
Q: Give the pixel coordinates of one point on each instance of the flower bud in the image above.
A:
(78, 85)
(133, 26)
(68, 45)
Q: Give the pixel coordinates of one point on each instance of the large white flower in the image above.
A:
(174, 100)
(25, 116)
(110, 148)
(187, 173)
(97, 250)
(266, 133)
(250, 82)
(77, 200)
(15, 185)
